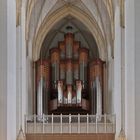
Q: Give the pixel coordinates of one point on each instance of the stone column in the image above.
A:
(11, 69)
(3, 69)
(8, 69)
(117, 71)
(24, 76)
(136, 69)
(130, 70)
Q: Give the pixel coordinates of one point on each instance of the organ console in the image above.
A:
(69, 81)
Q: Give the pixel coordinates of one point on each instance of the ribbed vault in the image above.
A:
(49, 23)
(97, 16)
(80, 32)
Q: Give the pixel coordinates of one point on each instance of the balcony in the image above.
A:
(70, 126)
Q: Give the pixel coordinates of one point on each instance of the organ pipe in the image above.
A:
(83, 61)
(76, 70)
(69, 38)
(55, 60)
(69, 72)
(79, 91)
(62, 70)
(60, 92)
(76, 47)
(69, 94)
(96, 87)
(64, 77)
(42, 86)
(62, 49)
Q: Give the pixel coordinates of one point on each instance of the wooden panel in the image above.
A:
(56, 108)
(70, 136)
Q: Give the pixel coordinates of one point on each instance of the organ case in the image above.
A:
(72, 80)
(42, 84)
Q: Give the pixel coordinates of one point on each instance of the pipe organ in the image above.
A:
(96, 86)
(69, 81)
(83, 62)
(43, 86)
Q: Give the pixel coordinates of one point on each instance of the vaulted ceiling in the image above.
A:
(81, 33)
(101, 12)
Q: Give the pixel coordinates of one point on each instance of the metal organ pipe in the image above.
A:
(69, 38)
(55, 60)
(92, 88)
(47, 85)
(69, 94)
(78, 91)
(76, 47)
(83, 61)
(42, 87)
(76, 70)
(39, 89)
(69, 72)
(96, 86)
(65, 72)
(60, 91)
(61, 46)
(62, 70)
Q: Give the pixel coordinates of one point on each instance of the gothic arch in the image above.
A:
(77, 13)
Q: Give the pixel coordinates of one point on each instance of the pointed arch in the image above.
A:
(49, 22)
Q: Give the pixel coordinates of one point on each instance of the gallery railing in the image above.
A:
(70, 124)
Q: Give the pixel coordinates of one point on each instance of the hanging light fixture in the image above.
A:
(21, 135)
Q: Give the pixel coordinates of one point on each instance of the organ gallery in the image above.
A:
(69, 81)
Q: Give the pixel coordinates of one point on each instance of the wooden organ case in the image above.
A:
(69, 82)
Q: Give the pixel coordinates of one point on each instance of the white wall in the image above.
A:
(137, 69)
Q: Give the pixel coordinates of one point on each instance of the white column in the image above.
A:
(137, 68)
(24, 65)
(117, 71)
(30, 85)
(8, 69)
(129, 71)
(11, 69)
(18, 90)
(18, 76)
(3, 69)
(110, 93)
